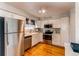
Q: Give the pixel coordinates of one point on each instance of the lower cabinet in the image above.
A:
(32, 40)
(36, 38)
(57, 40)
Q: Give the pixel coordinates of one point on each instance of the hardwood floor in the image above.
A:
(42, 49)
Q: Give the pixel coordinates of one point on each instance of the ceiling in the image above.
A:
(51, 8)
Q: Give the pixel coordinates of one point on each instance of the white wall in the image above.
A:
(74, 30)
(63, 24)
(64, 30)
(72, 25)
(77, 22)
(68, 49)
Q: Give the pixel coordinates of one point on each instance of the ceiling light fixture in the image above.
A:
(42, 11)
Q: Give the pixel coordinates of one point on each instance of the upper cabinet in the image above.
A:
(57, 24)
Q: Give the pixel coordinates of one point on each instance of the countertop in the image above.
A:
(34, 33)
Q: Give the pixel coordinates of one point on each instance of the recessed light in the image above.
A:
(43, 11)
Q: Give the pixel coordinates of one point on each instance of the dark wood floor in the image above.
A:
(43, 49)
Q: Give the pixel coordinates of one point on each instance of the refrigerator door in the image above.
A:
(12, 25)
(11, 36)
(12, 46)
(2, 44)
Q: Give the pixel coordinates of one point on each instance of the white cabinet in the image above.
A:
(60, 39)
(56, 40)
(56, 24)
(36, 38)
(38, 24)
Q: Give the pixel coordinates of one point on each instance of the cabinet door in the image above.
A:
(40, 37)
(57, 24)
(56, 39)
(38, 24)
(34, 39)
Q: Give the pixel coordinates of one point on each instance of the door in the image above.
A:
(2, 44)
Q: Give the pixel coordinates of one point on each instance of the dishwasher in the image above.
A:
(27, 42)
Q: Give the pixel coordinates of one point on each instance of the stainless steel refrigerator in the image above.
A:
(11, 39)
(11, 36)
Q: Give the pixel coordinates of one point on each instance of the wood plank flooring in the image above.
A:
(42, 49)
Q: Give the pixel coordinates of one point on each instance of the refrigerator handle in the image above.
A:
(7, 33)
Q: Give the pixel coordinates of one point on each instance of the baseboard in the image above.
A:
(59, 46)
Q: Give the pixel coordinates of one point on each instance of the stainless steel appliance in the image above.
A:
(47, 35)
(9, 37)
(27, 42)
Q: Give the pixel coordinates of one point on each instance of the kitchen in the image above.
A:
(41, 28)
(38, 35)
